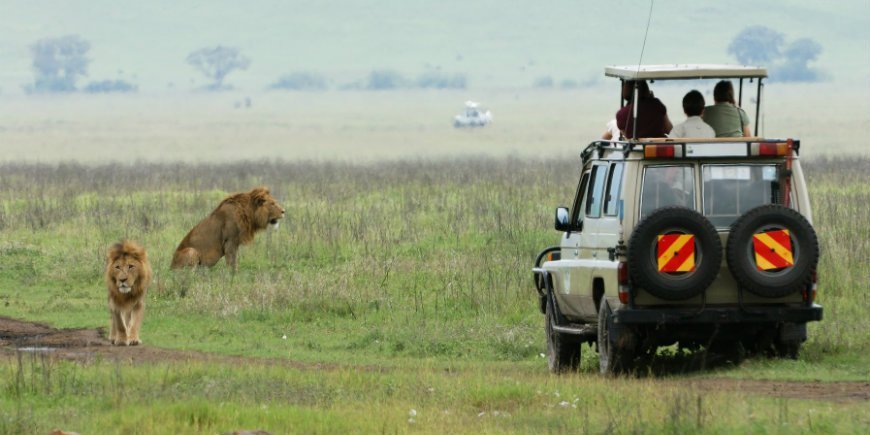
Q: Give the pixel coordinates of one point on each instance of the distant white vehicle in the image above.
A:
(473, 116)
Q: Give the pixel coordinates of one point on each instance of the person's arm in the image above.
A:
(607, 135)
(667, 124)
(744, 120)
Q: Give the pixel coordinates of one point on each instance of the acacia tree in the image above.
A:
(798, 55)
(217, 62)
(756, 45)
(58, 63)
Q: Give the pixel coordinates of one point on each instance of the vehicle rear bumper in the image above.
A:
(718, 315)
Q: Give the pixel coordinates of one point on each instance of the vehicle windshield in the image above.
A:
(731, 190)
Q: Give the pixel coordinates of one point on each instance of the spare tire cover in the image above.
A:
(772, 251)
(679, 270)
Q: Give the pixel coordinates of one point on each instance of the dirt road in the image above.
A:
(88, 345)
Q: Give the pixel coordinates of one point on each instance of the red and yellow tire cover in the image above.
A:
(773, 250)
(676, 252)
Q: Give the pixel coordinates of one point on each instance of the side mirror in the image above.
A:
(563, 221)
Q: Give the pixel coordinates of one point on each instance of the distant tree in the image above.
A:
(383, 80)
(109, 86)
(58, 63)
(756, 45)
(544, 82)
(217, 62)
(798, 55)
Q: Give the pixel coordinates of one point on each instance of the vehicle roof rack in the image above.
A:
(684, 71)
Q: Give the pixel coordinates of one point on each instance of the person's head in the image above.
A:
(723, 92)
(628, 89)
(693, 103)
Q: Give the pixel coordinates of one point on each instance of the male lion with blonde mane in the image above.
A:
(128, 274)
(232, 224)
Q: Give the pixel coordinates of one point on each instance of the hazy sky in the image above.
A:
(497, 43)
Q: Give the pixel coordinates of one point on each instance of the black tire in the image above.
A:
(611, 359)
(563, 351)
(775, 283)
(642, 253)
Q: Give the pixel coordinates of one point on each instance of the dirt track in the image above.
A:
(87, 345)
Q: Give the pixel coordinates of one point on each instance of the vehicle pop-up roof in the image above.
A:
(693, 72)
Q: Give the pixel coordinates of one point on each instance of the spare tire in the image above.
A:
(772, 251)
(704, 251)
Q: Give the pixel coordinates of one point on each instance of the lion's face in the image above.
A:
(125, 273)
(268, 212)
(275, 212)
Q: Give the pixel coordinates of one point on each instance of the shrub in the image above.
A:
(300, 81)
(437, 80)
(108, 86)
(544, 82)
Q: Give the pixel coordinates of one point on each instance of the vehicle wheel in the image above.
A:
(788, 349)
(789, 340)
(687, 271)
(611, 359)
(563, 353)
(731, 350)
(763, 269)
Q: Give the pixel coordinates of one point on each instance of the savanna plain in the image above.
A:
(396, 296)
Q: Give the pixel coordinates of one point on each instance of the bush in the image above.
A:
(437, 80)
(300, 81)
(107, 86)
(544, 82)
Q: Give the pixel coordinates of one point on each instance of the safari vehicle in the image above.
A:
(696, 242)
(473, 116)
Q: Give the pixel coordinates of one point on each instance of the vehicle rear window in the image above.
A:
(665, 186)
(731, 190)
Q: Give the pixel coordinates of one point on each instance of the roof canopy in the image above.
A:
(684, 71)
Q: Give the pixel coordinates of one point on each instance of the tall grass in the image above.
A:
(415, 258)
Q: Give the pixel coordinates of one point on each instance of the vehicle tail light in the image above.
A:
(622, 280)
(651, 151)
(769, 149)
(810, 293)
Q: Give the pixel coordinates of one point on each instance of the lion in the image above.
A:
(128, 275)
(233, 223)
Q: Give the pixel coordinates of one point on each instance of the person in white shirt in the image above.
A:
(612, 131)
(694, 126)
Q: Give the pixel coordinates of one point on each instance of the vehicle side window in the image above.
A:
(577, 217)
(665, 186)
(614, 190)
(596, 191)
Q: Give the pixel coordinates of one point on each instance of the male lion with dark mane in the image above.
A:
(233, 223)
(128, 274)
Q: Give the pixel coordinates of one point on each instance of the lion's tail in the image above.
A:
(186, 257)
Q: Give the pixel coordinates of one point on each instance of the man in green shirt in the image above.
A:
(725, 117)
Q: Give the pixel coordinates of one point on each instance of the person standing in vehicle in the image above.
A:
(694, 126)
(652, 115)
(726, 118)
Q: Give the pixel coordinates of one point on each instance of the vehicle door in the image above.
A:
(609, 226)
(579, 247)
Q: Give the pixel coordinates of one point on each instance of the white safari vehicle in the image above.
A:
(473, 116)
(707, 243)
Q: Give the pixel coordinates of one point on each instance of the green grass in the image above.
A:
(39, 394)
(400, 276)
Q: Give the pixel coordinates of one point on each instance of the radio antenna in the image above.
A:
(634, 101)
